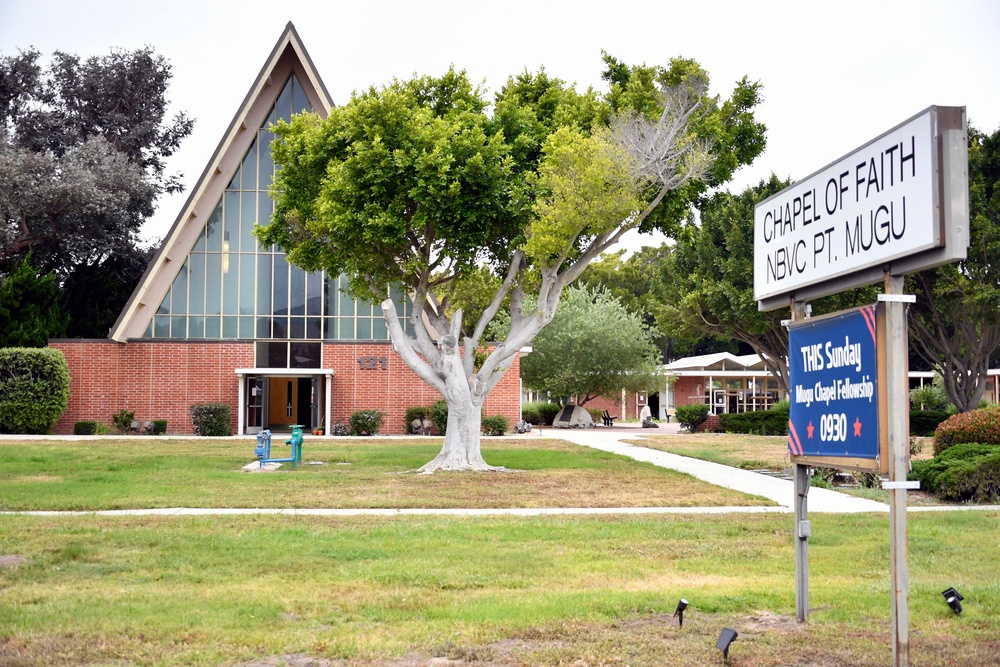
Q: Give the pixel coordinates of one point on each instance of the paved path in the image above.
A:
(780, 491)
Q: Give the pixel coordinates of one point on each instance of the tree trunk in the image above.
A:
(463, 390)
(465, 396)
(461, 449)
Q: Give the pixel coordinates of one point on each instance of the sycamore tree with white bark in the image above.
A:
(420, 182)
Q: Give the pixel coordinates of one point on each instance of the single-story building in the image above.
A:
(730, 383)
(723, 381)
(217, 317)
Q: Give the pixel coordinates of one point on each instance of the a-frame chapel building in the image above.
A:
(216, 317)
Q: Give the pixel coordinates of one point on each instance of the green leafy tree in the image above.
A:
(83, 148)
(635, 282)
(415, 184)
(955, 323)
(472, 292)
(30, 308)
(708, 281)
(630, 279)
(95, 293)
(593, 347)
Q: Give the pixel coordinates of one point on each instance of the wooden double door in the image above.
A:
(279, 402)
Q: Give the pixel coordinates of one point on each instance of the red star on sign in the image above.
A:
(857, 427)
(810, 429)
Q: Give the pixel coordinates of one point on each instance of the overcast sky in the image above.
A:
(835, 74)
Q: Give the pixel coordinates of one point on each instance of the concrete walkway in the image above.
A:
(780, 491)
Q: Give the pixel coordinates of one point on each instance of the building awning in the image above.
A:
(290, 372)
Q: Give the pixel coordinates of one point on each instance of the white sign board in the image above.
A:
(873, 206)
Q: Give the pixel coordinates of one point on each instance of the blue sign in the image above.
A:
(834, 401)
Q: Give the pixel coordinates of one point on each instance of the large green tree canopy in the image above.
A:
(707, 281)
(419, 182)
(83, 148)
(955, 323)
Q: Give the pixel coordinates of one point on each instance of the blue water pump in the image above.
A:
(264, 447)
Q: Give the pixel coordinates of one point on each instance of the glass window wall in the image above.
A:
(229, 288)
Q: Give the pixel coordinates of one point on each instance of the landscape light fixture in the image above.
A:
(954, 600)
(679, 612)
(726, 638)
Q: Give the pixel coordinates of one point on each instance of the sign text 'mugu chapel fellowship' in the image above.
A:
(869, 208)
(834, 401)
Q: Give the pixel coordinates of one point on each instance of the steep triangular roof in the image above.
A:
(288, 57)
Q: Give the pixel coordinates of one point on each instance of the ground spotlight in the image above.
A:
(954, 600)
(679, 612)
(726, 638)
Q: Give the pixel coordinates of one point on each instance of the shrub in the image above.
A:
(85, 428)
(497, 425)
(34, 389)
(823, 477)
(981, 426)
(595, 414)
(439, 415)
(689, 416)
(924, 422)
(159, 426)
(930, 397)
(964, 471)
(539, 413)
(413, 413)
(761, 422)
(530, 413)
(340, 428)
(366, 422)
(123, 420)
(868, 480)
(211, 419)
(102, 429)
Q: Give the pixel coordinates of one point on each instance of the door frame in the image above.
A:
(322, 378)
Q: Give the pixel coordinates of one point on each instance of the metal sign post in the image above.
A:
(897, 394)
(802, 526)
(896, 205)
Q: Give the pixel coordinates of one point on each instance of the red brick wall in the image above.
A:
(391, 390)
(689, 390)
(162, 380)
(710, 425)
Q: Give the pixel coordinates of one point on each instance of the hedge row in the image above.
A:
(761, 422)
(924, 422)
(967, 471)
(775, 421)
(34, 389)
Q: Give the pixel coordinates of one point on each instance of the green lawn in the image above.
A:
(750, 452)
(133, 473)
(519, 591)
(267, 590)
